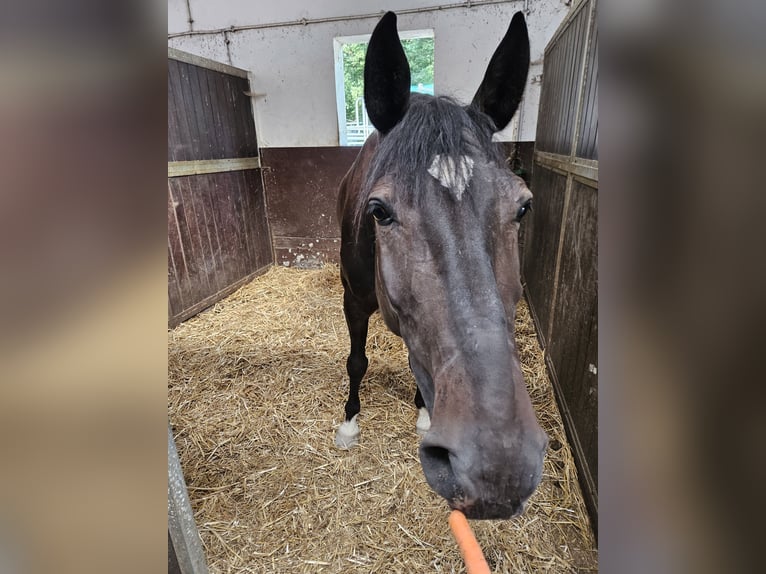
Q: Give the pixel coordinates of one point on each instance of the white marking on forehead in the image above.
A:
(454, 177)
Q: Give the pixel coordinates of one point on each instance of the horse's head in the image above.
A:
(445, 211)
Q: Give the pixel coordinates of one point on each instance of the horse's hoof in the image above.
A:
(348, 434)
(424, 421)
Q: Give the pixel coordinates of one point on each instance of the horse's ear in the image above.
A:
(500, 91)
(386, 76)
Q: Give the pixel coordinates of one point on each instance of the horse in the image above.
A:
(429, 218)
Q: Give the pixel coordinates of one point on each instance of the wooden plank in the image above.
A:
(175, 300)
(180, 270)
(191, 286)
(198, 232)
(541, 237)
(206, 78)
(218, 199)
(202, 113)
(173, 126)
(236, 127)
(193, 59)
(238, 203)
(233, 246)
(588, 143)
(204, 149)
(194, 146)
(227, 149)
(182, 142)
(259, 223)
(584, 168)
(201, 166)
(205, 197)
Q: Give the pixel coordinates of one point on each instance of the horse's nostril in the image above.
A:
(438, 470)
(436, 457)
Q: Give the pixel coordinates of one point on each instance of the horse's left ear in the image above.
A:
(500, 91)
(386, 76)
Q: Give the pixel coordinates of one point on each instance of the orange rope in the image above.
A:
(466, 541)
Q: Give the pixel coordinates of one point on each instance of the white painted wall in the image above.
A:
(293, 67)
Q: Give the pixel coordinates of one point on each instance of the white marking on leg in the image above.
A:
(454, 177)
(348, 434)
(424, 421)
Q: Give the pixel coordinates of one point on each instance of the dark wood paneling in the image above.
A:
(302, 191)
(558, 99)
(561, 244)
(587, 146)
(540, 232)
(573, 348)
(217, 236)
(209, 114)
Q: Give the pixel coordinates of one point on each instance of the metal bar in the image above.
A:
(195, 60)
(307, 21)
(585, 168)
(181, 526)
(199, 166)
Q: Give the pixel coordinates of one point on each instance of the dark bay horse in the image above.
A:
(430, 217)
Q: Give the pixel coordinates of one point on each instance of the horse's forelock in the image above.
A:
(432, 126)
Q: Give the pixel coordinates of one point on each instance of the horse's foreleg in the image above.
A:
(357, 319)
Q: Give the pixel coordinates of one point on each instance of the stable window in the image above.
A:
(353, 124)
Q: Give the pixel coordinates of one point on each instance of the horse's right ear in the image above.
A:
(386, 76)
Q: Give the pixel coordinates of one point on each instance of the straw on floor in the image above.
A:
(257, 385)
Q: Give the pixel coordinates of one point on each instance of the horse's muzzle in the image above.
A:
(481, 483)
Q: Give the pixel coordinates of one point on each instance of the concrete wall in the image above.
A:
(293, 65)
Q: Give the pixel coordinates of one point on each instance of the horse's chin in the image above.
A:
(479, 511)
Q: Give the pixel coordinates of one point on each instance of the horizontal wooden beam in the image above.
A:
(585, 168)
(193, 59)
(198, 166)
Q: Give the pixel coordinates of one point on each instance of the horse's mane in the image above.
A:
(431, 125)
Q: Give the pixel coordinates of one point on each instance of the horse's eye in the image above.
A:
(523, 210)
(380, 213)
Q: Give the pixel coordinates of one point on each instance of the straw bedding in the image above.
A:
(257, 385)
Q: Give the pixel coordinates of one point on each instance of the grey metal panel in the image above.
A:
(182, 529)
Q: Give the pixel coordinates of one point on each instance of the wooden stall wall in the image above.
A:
(302, 191)
(560, 242)
(218, 234)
